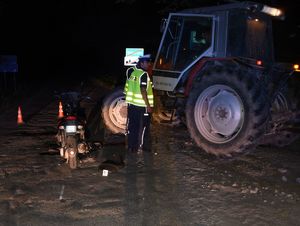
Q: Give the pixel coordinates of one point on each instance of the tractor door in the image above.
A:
(186, 39)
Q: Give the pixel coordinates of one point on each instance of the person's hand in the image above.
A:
(149, 109)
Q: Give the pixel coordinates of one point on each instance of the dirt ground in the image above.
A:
(178, 185)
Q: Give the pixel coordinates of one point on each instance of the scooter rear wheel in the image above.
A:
(72, 152)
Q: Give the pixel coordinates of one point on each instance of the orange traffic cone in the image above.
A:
(60, 110)
(20, 118)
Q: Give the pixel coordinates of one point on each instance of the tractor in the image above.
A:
(215, 72)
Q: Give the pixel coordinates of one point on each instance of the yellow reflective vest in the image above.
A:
(132, 88)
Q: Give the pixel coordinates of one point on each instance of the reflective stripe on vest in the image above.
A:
(125, 87)
(133, 90)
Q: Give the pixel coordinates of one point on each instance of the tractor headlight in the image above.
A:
(271, 11)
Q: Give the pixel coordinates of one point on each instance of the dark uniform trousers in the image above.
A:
(138, 128)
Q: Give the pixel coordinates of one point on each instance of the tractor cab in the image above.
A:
(231, 30)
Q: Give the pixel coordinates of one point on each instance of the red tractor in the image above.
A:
(215, 71)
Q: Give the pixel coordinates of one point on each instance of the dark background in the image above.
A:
(53, 38)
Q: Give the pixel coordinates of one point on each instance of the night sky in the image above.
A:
(77, 38)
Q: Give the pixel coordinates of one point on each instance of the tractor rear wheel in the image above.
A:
(227, 111)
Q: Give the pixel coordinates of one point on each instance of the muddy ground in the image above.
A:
(178, 185)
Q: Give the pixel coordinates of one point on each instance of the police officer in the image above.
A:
(139, 97)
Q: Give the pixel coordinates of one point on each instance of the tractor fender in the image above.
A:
(199, 68)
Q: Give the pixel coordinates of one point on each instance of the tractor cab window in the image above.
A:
(200, 39)
(185, 39)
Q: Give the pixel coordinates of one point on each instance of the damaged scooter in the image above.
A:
(72, 129)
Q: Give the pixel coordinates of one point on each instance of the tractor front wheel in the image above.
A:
(114, 111)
